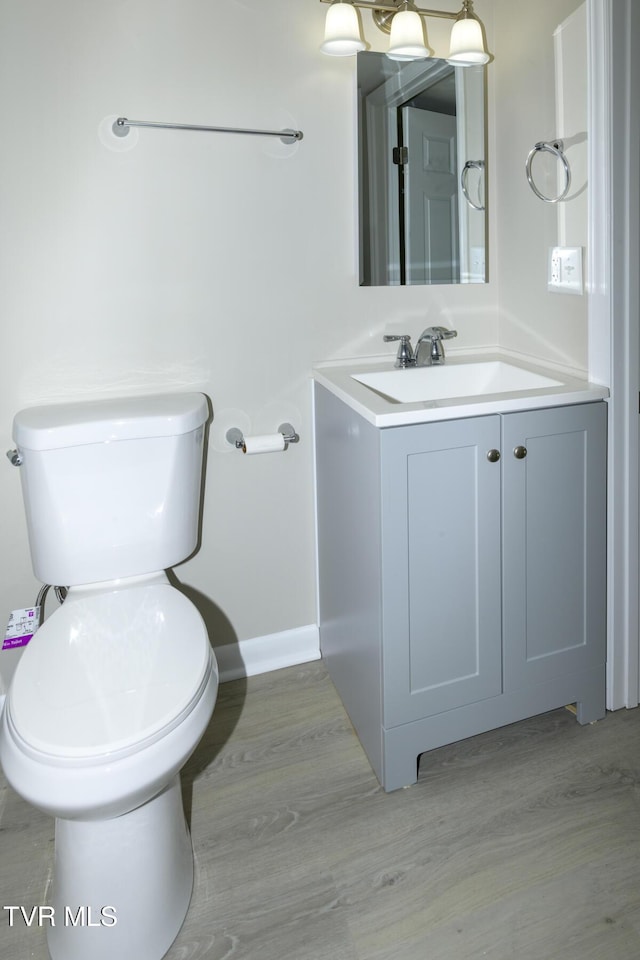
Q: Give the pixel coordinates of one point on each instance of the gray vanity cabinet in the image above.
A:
(461, 571)
(554, 535)
(440, 519)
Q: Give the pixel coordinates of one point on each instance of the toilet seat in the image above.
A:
(109, 673)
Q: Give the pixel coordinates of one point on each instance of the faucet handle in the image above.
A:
(404, 356)
(433, 336)
(439, 333)
(447, 334)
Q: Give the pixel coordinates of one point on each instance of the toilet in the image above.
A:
(117, 687)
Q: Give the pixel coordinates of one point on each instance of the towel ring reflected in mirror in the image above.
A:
(555, 148)
(472, 165)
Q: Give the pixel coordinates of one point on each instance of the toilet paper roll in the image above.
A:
(265, 443)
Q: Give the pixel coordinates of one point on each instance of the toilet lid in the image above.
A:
(109, 672)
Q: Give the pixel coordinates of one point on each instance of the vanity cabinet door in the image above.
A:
(554, 528)
(441, 610)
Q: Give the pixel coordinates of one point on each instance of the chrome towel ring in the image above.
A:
(556, 148)
(476, 165)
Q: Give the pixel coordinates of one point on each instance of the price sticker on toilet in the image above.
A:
(21, 627)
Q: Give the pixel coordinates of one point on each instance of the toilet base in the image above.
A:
(121, 887)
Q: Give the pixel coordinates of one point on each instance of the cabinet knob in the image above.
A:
(519, 452)
(493, 455)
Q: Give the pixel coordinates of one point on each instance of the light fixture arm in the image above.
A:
(380, 10)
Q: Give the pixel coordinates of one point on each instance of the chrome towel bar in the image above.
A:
(122, 125)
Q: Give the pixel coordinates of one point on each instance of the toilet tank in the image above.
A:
(111, 487)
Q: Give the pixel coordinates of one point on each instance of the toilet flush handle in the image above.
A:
(15, 457)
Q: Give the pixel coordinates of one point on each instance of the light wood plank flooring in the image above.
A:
(521, 843)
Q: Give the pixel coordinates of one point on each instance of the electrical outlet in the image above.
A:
(565, 270)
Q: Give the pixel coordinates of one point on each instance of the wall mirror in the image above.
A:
(421, 172)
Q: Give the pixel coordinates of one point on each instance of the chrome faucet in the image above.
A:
(429, 348)
(424, 356)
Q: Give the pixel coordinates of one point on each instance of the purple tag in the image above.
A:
(21, 627)
(12, 643)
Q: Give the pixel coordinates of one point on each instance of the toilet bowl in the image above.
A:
(112, 696)
(116, 688)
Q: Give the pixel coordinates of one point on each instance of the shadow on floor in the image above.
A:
(222, 723)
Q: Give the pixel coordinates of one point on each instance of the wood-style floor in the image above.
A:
(520, 844)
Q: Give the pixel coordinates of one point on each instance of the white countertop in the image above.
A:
(382, 411)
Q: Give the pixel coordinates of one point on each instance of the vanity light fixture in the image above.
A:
(407, 35)
(342, 30)
(467, 42)
(404, 21)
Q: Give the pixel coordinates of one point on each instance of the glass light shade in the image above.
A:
(467, 43)
(407, 37)
(342, 31)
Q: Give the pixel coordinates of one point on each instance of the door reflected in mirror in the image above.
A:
(421, 172)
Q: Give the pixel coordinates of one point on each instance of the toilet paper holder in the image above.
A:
(235, 436)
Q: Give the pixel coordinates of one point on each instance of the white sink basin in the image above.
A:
(415, 384)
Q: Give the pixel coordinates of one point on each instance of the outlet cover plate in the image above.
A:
(565, 270)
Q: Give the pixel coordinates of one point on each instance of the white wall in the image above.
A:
(217, 263)
(532, 107)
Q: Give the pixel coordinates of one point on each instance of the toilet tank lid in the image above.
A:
(96, 421)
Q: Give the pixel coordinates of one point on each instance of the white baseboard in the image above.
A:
(262, 654)
(272, 652)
